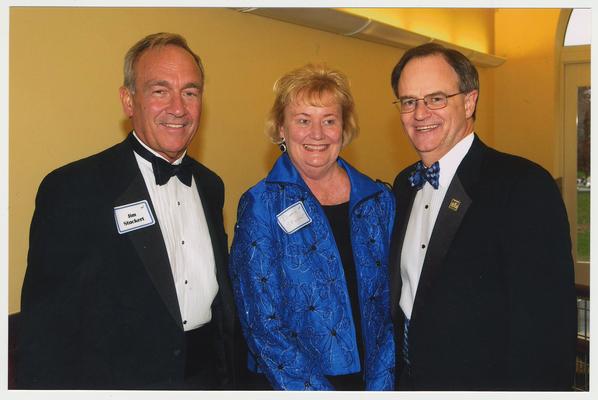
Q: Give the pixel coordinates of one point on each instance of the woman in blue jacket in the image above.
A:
(309, 260)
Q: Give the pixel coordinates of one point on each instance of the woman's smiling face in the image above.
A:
(313, 134)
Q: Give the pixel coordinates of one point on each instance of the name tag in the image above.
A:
(293, 218)
(130, 217)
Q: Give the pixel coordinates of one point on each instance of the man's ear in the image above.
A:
(126, 99)
(471, 99)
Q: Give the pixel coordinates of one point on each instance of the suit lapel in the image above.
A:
(453, 209)
(450, 216)
(405, 196)
(148, 242)
(210, 212)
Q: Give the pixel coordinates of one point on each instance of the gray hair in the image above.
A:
(149, 42)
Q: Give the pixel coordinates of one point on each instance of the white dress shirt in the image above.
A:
(179, 212)
(421, 222)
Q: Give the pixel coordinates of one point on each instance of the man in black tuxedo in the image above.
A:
(126, 285)
(482, 287)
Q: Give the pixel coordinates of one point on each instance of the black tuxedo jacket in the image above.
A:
(99, 309)
(495, 305)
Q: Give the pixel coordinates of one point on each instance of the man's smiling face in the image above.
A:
(166, 106)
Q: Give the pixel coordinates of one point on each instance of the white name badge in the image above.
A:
(130, 217)
(293, 218)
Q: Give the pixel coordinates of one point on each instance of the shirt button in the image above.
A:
(426, 206)
(185, 281)
(178, 203)
(185, 322)
(182, 242)
(423, 246)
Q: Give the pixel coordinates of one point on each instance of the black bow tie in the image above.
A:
(163, 170)
(423, 174)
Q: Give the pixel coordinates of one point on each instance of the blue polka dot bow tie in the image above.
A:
(423, 174)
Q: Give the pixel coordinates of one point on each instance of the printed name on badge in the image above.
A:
(293, 218)
(130, 217)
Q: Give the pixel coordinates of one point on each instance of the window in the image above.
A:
(579, 28)
(576, 183)
(583, 173)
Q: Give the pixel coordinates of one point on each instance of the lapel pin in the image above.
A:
(454, 204)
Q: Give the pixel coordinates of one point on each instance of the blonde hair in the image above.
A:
(311, 83)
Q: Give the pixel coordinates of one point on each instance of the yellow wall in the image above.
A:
(65, 70)
(525, 112)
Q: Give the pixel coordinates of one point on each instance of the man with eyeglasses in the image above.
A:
(482, 287)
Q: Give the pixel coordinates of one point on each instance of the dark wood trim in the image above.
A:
(582, 291)
(583, 345)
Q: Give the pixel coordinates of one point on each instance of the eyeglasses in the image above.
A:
(434, 101)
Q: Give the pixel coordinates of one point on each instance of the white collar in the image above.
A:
(450, 161)
(175, 162)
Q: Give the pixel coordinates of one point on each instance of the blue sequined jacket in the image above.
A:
(290, 288)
